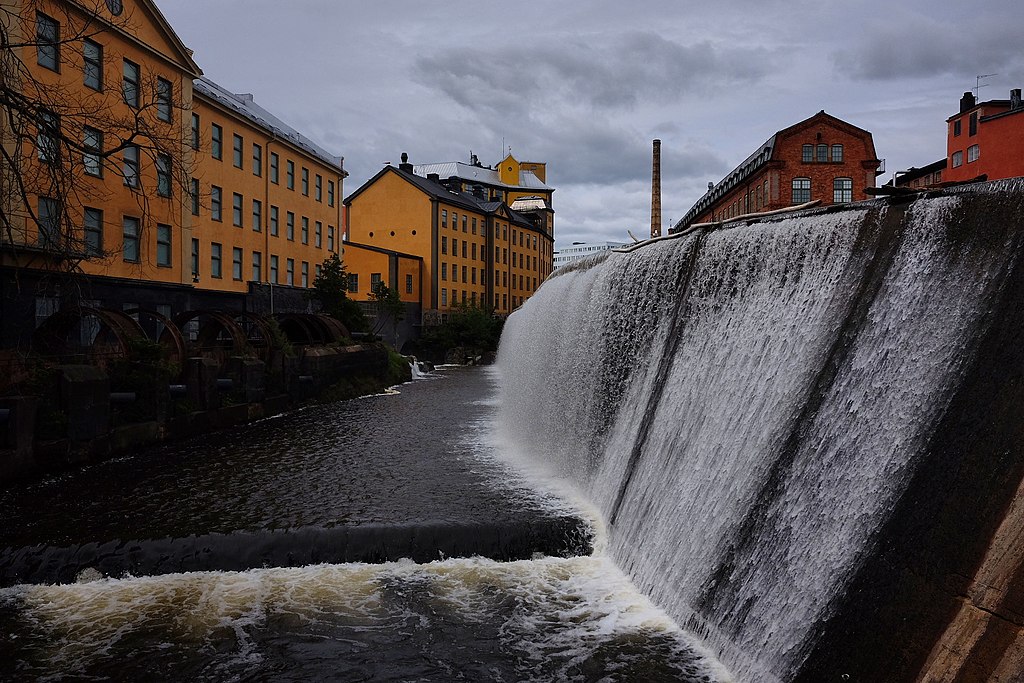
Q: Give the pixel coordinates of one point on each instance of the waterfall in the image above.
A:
(746, 405)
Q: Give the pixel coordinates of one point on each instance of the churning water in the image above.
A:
(746, 405)
(420, 462)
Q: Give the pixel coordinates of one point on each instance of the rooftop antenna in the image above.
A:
(978, 85)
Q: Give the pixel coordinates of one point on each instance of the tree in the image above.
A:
(330, 288)
(389, 309)
(70, 140)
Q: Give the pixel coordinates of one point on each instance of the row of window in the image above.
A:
(273, 219)
(972, 122)
(469, 276)
(500, 300)
(821, 153)
(842, 190)
(238, 156)
(375, 282)
(469, 225)
(48, 45)
(256, 264)
(50, 213)
(973, 154)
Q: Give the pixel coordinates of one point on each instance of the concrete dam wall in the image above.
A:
(803, 433)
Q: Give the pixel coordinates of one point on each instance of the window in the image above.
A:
(215, 270)
(375, 282)
(217, 142)
(957, 128)
(257, 266)
(465, 272)
(473, 253)
(48, 137)
(236, 205)
(958, 159)
(257, 215)
(842, 190)
(215, 203)
(257, 159)
(318, 187)
(408, 283)
(973, 152)
(464, 245)
(305, 274)
(330, 193)
(130, 239)
(305, 230)
(289, 272)
(195, 131)
(455, 273)
(163, 175)
(807, 154)
(353, 282)
(318, 235)
(837, 152)
(801, 190)
(444, 245)
(92, 64)
(290, 226)
(474, 228)
(47, 42)
(130, 83)
(194, 194)
(465, 220)
(274, 163)
(455, 221)
(444, 297)
(236, 147)
(273, 221)
(92, 141)
(972, 124)
(130, 168)
(93, 228)
(195, 259)
(273, 268)
(290, 174)
(305, 181)
(163, 245)
(455, 247)
(48, 214)
(473, 276)
(444, 218)
(164, 97)
(444, 270)
(330, 237)
(236, 263)
(821, 154)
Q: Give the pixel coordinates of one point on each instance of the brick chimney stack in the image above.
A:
(656, 191)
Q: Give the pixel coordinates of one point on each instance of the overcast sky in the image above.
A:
(586, 85)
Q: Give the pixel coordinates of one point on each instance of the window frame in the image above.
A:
(131, 88)
(164, 243)
(164, 100)
(802, 189)
(164, 166)
(47, 46)
(217, 141)
(92, 65)
(237, 145)
(130, 166)
(92, 225)
(842, 190)
(131, 238)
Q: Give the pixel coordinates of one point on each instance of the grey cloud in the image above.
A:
(919, 46)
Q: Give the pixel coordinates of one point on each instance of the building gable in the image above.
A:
(142, 23)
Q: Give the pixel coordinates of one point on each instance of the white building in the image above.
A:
(580, 250)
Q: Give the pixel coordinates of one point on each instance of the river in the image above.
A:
(218, 558)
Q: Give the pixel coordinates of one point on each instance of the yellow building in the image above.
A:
(269, 200)
(473, 247)
(131, 181)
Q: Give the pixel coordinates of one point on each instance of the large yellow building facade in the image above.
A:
(129, 180)
(463, 227)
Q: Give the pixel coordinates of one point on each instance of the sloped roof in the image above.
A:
(246, 106)
(436, 190)
(480, 174)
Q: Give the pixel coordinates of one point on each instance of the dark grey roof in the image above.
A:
(246, 106)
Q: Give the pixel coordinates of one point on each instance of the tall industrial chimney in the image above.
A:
(656, 191)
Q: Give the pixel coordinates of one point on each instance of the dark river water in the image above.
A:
(229, 558)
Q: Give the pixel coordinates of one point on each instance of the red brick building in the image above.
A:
(985, 139)
(821, 158)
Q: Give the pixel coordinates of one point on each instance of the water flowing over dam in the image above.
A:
(803, 433)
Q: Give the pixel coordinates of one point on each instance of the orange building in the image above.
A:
(820, 158)
(130, 181)
(470, 247)
(985, 139)
(266, 200)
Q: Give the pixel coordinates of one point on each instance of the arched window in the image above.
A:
(842, 190)
(808, 154)
(822, 153)
(837, 152)
(801, 190)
